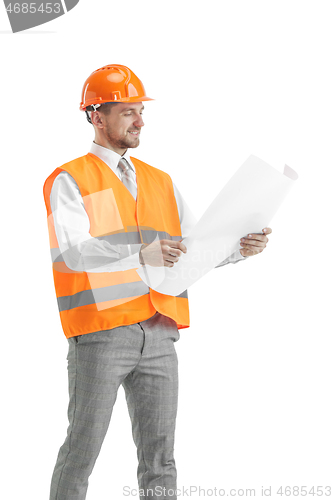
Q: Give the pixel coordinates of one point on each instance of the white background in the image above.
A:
(230, 79)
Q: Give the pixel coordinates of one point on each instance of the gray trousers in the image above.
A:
(143, 359)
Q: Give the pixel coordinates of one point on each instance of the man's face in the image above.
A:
(123, 124)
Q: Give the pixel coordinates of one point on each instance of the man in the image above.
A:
(108, 215)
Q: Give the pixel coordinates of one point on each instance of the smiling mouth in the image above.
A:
(134, 132)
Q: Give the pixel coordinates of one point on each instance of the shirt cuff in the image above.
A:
(236, 257)
(232, 259)
(131, 262)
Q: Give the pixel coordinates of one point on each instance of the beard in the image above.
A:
(125, 142)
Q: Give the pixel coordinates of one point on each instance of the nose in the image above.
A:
(138, 121)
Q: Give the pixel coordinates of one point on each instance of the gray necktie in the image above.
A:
(126, 176)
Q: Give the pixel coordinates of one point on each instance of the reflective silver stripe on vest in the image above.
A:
(56, 255)
(130, 238)
(114, 292)
(87, 297)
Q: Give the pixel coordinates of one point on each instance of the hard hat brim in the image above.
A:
(83, 106)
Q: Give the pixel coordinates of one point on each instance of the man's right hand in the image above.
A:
(161, 253)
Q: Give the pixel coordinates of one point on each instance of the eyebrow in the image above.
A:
(133, 109)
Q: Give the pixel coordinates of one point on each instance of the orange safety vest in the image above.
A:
(91, 302)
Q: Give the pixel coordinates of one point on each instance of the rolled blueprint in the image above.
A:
(246, 204)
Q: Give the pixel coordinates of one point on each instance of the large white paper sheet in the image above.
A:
(246, 204)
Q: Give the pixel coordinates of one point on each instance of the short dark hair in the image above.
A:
(104, 108)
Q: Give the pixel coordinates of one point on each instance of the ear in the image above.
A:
(96, 119)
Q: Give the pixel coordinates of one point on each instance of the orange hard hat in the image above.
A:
(112, 83)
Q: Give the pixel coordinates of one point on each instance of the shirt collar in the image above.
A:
(111, 158)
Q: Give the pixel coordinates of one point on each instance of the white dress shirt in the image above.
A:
(83, 252)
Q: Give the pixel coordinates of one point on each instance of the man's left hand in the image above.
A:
(254, 243)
